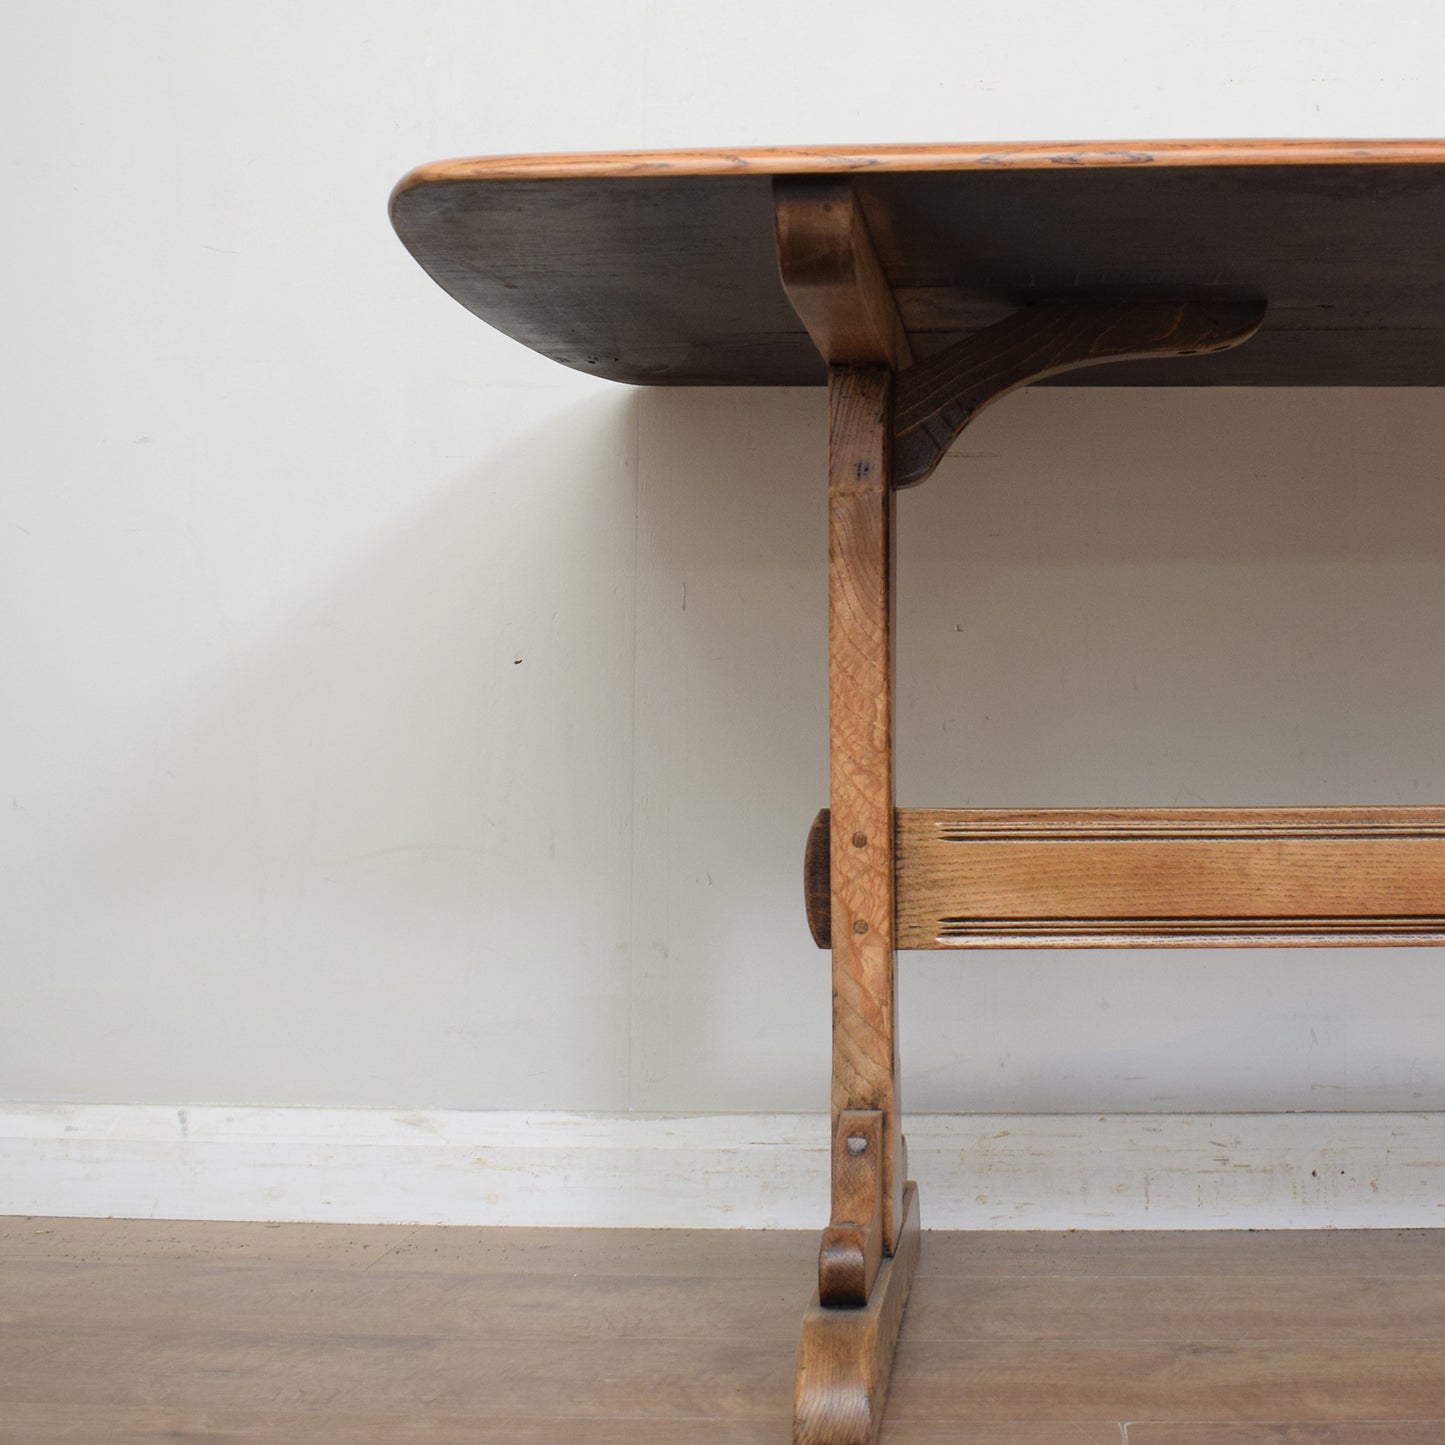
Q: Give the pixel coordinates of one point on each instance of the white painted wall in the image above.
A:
(711, 1171)
(358, 747)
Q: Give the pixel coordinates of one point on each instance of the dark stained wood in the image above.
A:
(660, 268)
(845, 1357)
(852, 1248)
(860, 761)
(818, 881)
(934, 400)
(832, 274)
(1095, 877)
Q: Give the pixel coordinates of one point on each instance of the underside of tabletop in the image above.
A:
(662, 269)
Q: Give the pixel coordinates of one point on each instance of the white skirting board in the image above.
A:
(1016, 1171)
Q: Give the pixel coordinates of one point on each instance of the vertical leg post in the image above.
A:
(837, 285)
(860, 761)
(839, 288)
(870, 1248)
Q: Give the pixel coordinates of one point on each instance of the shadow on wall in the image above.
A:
(1178, 598)
(730, 998)
(1138, 597)
(510, 814)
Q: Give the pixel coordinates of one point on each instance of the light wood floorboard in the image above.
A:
(1418, 1432)
(137, 1332)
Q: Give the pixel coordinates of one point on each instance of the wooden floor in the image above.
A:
(125, 1331)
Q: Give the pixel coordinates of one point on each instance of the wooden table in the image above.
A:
(922, 284)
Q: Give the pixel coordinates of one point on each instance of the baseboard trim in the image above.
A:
(975, 1171)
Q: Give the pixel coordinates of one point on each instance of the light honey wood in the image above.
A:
(1373, 1432)
(852, 1248)
(833, 276)
(845, 1357)
(1036, 878)
(81, 1425)
(144, 1425)
(860, 752)
(1028, 155)
(1163, 877)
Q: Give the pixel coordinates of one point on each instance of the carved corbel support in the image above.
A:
(934, 400)
(837, 285)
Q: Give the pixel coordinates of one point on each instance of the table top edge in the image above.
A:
(848, 160)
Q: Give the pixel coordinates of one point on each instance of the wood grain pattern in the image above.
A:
(860, 756)
(477, 1252)
(818, 880)
(138, 1332)
(651, 267)
(845, 1357)
(935, 400)
(1108, 1379)
(492, 1379)
(1165, 877)
(311, 1298)
(1237, 1254)
(1036, 878)
(1361, 1432)
(1072, 1432)
(852, 1248)
(833, 277)
(87, 1425)
(832, 160)
(64, 1424)
(1341, 1309)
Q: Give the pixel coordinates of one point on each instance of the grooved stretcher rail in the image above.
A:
(921, 284)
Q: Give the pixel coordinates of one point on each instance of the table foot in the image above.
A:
(846, 1355)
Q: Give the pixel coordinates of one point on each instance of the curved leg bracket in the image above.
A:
(840, 290)
(853, 1241)
(846, 1356)
(934, 400)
